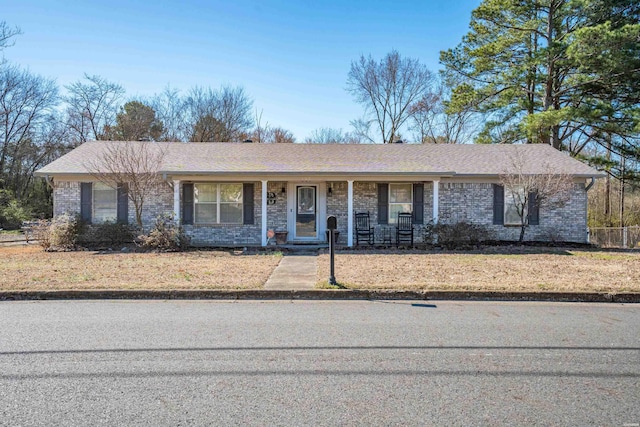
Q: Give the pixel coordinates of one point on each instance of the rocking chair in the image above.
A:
(364, 231)
(404, 228)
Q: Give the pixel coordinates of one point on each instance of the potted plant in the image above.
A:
(281, 237)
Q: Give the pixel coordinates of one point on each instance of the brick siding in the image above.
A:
(470, 202)
(473, 203)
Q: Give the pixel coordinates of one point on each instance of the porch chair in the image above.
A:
(404, 228)
(364, 231)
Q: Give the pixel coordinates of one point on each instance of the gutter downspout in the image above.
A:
(586, 190)
(167, 181)
(593, 180)
(49, 181)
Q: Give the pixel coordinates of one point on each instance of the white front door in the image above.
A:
(306, 212)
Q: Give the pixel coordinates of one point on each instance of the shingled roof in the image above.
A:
(336, 159)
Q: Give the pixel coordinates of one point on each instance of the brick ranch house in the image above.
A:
(233, 193)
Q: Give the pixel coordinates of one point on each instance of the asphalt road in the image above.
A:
(318, 363)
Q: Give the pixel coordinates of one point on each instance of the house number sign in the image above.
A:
(271, 198)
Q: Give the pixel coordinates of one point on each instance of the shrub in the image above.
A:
(12, 214)
(458, 235)
(165, 235)
(111, 233)
(62, 232)
(41, 232)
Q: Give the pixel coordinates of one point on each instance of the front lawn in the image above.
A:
(30, 268)
(509, 269)
(528, 269)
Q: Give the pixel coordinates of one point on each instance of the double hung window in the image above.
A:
(400, 200)
(514, 200)
(105, 203)
(217, 203)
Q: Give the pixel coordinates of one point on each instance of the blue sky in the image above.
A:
(292, 57)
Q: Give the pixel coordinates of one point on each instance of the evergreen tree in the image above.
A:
(561, 72)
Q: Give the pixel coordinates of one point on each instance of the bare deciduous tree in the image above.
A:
(549, 189)
(92, 107)
(222, 115)
(279, 135)
(424, 117)
(27, 103)
(259, 131)
(362, 129)
(327, 135)
(170, 110)
(267, 134)
(434, 122)
(48, 142)
(6, 34)
(208, 129)
(135, 165)
(388, 89)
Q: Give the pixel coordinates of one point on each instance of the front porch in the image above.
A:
(301, 207)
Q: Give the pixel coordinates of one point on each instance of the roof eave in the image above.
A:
(486, 175)
(317, 173)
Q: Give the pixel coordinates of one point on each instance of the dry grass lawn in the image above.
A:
(531, 269)
(556, 270)
(30, 268)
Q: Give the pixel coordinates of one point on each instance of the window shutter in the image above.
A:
(383, 203)
(418, 203)
(498, 204)
(533, 210)
(86, 195)
(187, 203)
(247, 203)
(123, 204)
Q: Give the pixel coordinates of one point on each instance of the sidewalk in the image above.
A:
(295, 272)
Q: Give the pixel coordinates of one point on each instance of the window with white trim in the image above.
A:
(514, 199)
(400, 200)
(105, 203)
(217, 203)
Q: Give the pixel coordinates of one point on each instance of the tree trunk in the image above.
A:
(531, 77)
(550, 135)
(607, 187)
(523, 228)
(139, 217)
(622, 161)
(555, 137)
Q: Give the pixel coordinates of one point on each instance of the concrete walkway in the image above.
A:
(295, 272)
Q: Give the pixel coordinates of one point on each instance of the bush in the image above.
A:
(59, 234)
(111, 233)
(458, 235)
(165, 235)
(41, 232)
(12, 214)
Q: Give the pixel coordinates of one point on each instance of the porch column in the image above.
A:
(176, 201)
(436, 192)
(350, 213)
(264, 213)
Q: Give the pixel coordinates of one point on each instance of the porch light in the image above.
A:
(283, 190)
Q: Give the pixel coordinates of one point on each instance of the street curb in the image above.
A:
(318, 294)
